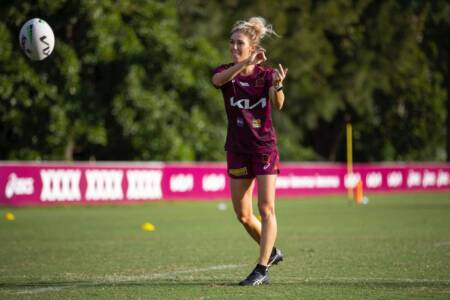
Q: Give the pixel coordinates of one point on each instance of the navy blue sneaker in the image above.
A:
(275, 257)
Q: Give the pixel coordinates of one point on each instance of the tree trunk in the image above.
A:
(68, 151)
(448, 117)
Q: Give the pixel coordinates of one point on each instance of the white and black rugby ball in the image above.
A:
(37, 39)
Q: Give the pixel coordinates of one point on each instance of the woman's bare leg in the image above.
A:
(266, 205)
(241, 195)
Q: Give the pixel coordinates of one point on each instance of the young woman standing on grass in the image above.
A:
(249, 91)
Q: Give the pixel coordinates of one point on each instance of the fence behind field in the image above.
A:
(23, 183)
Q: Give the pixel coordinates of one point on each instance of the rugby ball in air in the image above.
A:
(37, 39)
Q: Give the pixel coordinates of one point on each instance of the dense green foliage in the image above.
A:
(396, 247)
(129, 80)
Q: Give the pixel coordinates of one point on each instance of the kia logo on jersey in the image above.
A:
(245, 103)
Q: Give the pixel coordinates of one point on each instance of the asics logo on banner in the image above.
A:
(104, 185)
(60, 185)
(143, 184)
(18, 186)
(245, 103)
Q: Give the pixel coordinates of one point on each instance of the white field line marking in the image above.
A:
(440, 244)
(41, 290)
(121, 278)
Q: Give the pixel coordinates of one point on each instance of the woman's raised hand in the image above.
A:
(279, 75)
(257, 57)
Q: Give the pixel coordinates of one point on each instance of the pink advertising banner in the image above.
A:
(23, 183)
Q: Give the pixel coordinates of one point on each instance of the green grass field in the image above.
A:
(396, 247)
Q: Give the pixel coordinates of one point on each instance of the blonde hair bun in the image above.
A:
(256, 28)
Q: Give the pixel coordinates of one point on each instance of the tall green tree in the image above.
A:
(121, 84)
(436, 45)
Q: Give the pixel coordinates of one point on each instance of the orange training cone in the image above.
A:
(358, 194)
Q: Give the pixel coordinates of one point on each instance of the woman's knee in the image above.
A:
(266, 211)
(244, 218)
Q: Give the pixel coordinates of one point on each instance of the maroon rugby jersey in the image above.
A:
(249, 111)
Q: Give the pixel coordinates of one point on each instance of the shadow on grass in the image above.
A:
(48, 286)
(369, 283)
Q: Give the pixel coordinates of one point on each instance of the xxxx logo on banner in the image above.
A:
(104, 185)
(60, 185)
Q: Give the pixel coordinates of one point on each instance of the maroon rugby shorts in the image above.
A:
(245, 165)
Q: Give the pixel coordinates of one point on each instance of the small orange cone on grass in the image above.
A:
(358, 193)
